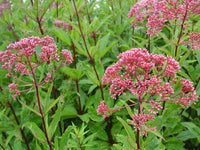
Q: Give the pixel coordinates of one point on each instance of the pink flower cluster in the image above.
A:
(4, 5)
(102, 108)
(158, 12)
(13, 88)
(67, 56)
(194, 41)
(132, 72)
(19, 57)
(188, 93)
(142, 74)
(63, 24)
(140, 121)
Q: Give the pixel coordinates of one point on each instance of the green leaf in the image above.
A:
(198, 55)
(184, 57)
(37, 146)
(99, 130)
(157, 134)
(69, 111)
(56, 118)
(185, 135)
(64, 138)
(74, 73)
(129, 131)
(31, 109)
(11, 134)
(36, 131)
(62, 35)
(195, 130)
(107, 49)
(48, 95)
(51, 105)
(93, 115)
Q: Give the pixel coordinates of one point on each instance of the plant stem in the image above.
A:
(32, 2)
(21, 130)
(138, 131)
(2, 147)
(149, 43)
(77, 86)
(133, 32)
(114, 21)
(90, 57)
(75, 66)
(57, 8)
(163, 107)
(93, 32)
(109, 126)
(4, 135)
(11, 28)
(40, 26)
(39, 105)
(182, 25)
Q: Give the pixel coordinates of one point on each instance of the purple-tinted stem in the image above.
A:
(149, 43)
(57, 9)
(2, 147)
(40, 26)
(32, 2)
(138, 131)
(163, 107)
(90, 57)
(11, 28)
(182, 25)
(114, 21)
(21, 130)
(120, 6)
(39, 105)
(133, 32)
(93, 32)
(77, 86)
(4, 135)
(109, 126)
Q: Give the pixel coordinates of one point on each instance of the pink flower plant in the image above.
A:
(146, 76)
(21, 57)
(193, 41)
(63, 24)
(159, 12)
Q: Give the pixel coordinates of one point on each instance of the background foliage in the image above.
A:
(71, 116)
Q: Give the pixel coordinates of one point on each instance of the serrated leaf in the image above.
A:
(129, 131)
(36, 131)
(69, 111)
(195, 130)
(51, 105)
(64, 138)
(62, 35)
(54, 123)
(74, 73)
(31, 109)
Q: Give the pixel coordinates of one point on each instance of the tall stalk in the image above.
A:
(75, 66)
(90, 57)
(111, 141)
(182, 26)
(138, 131)
(93, 32)
(39, 105)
